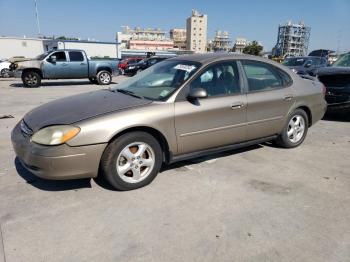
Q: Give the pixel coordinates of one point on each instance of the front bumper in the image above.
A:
(17, 73)
(56, 162)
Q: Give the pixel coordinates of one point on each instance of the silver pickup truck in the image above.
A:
(64, 64)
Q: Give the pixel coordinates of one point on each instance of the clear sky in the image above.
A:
(255, 20)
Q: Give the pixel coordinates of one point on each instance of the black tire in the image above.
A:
(93, 80)
(31, 79)
(5, 73)
(108, 164)
(104, 77)
(283, 140)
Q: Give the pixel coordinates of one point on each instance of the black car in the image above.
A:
(305, 65)
(336, 78)
(133, 69)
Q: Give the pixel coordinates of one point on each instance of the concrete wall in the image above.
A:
(92, 49)
(27, 47)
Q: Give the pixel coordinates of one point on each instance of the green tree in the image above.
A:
(253, 49)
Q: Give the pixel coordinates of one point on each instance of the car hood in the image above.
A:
(27, 64)
(75, 108)
(333, 70)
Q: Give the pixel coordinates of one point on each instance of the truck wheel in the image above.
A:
(93, 80)
(31, 79)
(5, 73)
(104, 77)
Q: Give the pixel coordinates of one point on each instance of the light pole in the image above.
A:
(37, 17)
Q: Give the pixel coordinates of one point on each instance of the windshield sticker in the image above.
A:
(187, 68)
(164, 93)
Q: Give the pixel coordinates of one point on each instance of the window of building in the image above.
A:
(261, 76)
(76, 56)
(219, 79)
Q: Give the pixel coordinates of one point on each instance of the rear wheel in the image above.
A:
(131, 161)
(295, 131)
(104, 77)
(31, 79)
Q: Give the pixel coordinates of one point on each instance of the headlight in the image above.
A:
(295, 71)
(55, 135)
(131, 67)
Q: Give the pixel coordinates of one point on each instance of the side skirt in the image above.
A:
(210, 151)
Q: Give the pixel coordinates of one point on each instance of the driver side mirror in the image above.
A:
(53, 59)
(196, 93)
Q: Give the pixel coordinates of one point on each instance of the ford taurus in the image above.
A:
(180, 108)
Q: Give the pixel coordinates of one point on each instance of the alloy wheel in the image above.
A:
(135, 162)
(296, 128)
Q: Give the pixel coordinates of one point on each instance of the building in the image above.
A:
(143, 39)
(221, 42)
(196, 27)
(178, 35)
(240, 44)
(292, 40)
(31, 47)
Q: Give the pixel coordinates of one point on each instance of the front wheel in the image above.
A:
(5, 73)
(31, 79)
(104, 77)
(131, 161)
(294, 133)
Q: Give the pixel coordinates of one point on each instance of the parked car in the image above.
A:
(336, 78)
(133, 69)
(4, 68)
(306, 65)
(125, 62)
(180, 108)
(64, 64)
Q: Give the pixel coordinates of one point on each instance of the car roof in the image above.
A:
(213, 57)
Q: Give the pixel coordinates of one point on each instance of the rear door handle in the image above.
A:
(82, 64)
(288, 97)
(237, 105)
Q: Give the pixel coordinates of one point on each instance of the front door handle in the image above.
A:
(82, 64)
(237, 105)
(288, 97)
(64, 64)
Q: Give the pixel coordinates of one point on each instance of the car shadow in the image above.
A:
(60, 83)
(50, 185)
(209, 157)
(337, 117)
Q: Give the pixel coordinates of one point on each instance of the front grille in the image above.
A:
(26, 130)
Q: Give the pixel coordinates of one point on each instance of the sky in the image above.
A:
(255, 20)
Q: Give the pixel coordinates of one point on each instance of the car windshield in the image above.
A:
(293, 62)
(159, 81)
(343, 61)
(42, 56)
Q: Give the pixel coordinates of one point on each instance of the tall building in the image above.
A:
(196, 26)
(178, 35)
(292, 40)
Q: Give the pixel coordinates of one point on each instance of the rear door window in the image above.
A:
(76, 56)
(261, 76)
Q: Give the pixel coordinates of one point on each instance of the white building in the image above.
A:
(196, 28)
(31, 47)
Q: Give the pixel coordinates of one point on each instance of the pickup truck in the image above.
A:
(64, 64)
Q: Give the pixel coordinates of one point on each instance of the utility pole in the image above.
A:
(37, 17)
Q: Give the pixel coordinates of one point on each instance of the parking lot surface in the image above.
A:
(261, 203)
